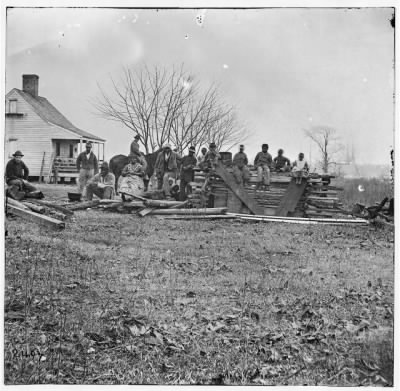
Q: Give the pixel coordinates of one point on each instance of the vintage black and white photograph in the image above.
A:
(199, 196)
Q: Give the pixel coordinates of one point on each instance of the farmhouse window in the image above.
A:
(71, 150)
(58, 149)
(11, 108)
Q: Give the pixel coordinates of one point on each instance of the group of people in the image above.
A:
(265, 164)
(169, 168)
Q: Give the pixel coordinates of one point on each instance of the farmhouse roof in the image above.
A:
(44, 109)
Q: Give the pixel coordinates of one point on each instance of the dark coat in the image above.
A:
(16, 170)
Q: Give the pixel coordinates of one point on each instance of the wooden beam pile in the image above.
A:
(319, 199)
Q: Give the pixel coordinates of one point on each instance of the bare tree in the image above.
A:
(326, 140)
(169, 105)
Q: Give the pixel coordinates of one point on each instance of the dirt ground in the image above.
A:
(119, 299)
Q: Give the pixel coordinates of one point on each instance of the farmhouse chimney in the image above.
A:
(30, 84)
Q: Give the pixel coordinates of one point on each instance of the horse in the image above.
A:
(118, 162)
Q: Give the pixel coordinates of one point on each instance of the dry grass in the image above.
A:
(115, 299)
(375, 190)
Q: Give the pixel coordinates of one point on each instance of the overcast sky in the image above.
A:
(284, 69)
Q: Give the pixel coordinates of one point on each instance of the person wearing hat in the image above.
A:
(135, 146)
(211, 158)
(87, 166)
(166, 167)
(240, 169)
(263, 163)
(17, 174)
(281, 162)
(102, 184)
(187, 173)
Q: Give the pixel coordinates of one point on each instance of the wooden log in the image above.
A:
(62, 209)
(37, 218)
(189, 212)
(11, 201)
(35, 208)
(85, 205)
(162, 203)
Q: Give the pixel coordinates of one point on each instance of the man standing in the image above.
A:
(135, 146)
(240, 170)
(87, 166)
(187, 174)
(263, 162)
(281, 162)
(102, 184)
(17, 174)
(166, 167)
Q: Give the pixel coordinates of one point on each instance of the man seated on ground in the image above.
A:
(263, 163)
(166, 167)
(187, 174)
(17, 174)
(281, 163)
(102, 184)
(131, 180)
(300, 169)
(240, 169)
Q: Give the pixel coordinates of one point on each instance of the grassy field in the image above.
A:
(372, 190)
(118, 299)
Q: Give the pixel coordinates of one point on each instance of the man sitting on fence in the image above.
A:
(200, 158)
(211, 158)
(300, 169)
(240, 170)
(17, 174)
(281, 163)
(87, 166)
(102, 184)
(263, 163)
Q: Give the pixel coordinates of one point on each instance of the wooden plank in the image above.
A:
(11, 201)
(238, 190)
(42, 167)
(189, 212)
(37, 218)
(291, 198)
